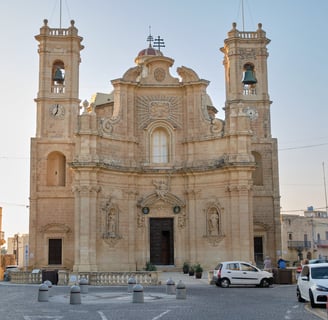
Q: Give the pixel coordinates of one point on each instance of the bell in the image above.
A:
(248, 76)
(59, 77)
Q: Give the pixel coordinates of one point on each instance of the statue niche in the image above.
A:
(110, 220)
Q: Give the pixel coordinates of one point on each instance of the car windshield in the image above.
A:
(320, 273)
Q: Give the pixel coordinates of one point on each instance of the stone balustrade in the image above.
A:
(94, 278)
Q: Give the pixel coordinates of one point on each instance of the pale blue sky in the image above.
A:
(115, 31)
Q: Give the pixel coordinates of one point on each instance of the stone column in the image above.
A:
(85, 228)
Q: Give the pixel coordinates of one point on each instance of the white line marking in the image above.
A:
(103, 317)
(43, 317)
(161, 315)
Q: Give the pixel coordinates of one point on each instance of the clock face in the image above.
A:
(252, 113)
(57, 111)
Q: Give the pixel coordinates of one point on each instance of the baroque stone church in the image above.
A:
(147, 172)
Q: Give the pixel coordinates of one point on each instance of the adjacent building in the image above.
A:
(305, 236)
(151, 171)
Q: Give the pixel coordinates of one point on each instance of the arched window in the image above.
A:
(58, 77)
(56, 169)
(258, 173)
(249, 79)
(160, 146)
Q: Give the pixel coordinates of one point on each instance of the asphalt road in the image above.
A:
(203, 301)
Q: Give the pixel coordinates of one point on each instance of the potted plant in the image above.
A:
(198, 271)
(185, 267)
(191, 270)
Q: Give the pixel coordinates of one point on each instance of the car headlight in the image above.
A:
(321, 288)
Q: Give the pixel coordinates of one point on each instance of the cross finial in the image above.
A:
(159, 43)
(150, 38)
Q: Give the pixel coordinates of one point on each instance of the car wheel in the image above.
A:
(217, 283)
(225, 283)
(299, 296)
(265, 283)
(313, 304)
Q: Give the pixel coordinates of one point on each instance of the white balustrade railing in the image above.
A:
(94, 278)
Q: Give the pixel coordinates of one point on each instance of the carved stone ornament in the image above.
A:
(247, 53)
(55, 228)
(151, 108)
(159, 74)
(214, 240)
(161, 202)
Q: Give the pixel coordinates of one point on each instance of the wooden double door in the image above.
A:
(161, 241)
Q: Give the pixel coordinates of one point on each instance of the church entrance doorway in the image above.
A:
(161, 241)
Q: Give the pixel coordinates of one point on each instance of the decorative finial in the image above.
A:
(150, 38)
(159, 43)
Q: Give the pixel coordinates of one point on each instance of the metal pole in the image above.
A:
(60, 14)
(324, 182)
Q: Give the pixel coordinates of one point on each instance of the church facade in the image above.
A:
(147, 172)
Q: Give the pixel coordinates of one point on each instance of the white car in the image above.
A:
(312, 284)
(240, 273)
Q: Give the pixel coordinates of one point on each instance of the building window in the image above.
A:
(55, 251)
(290, 236)
(160, 146)
(56, 169)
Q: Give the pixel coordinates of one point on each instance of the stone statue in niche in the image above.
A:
(213, 222)
(110, 222)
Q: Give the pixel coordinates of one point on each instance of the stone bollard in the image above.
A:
(181, 292)
(43, 293)
(83, 285)
(75, 296)
(131, 283)
(138, 295)
(48, 283)
(170, 286)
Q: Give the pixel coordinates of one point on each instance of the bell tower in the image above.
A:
(245, 62)
(57, 99)
(248, 130)
(57, 102)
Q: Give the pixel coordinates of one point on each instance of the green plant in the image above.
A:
(198, 268)
(150, 266)
(186, 267)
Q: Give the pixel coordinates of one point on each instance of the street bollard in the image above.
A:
(131, 283)
(138, 295)
(43, 295)
(181, 292)
(83, 285)
(75, 296)
(170, 286)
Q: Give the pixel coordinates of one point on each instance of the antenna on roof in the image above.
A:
(242, 13)
(150, 38)
(159, 43)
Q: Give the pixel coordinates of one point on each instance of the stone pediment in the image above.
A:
(55, 228)
(156, 198)
(156, 71)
